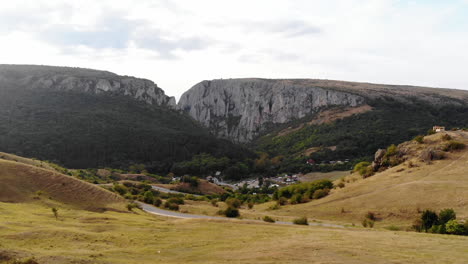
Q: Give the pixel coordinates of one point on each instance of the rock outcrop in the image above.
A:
(240, 109)
(83, 80)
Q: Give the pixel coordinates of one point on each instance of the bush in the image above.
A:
(320, 193)
(157, 202)
(454, 145)
(296, 198)
(371, 216)
(171, 206)
(214, 202)
(250, 205)
(301, 221)
(419, 139)
(341, 185)
(361, 167)
(367, 223)
(148, 197)
(131, 206)
(268, 219)
(282, 201)
(234, 202)
(176, 200)
(231, 212)
(446, 137)
(456, 228)
(120, 189)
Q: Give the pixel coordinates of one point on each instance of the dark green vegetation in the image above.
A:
(83, 130)
(303, 192)
(443, 223)
(301, 221)
(358, 137)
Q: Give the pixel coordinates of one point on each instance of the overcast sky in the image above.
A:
(178, 43)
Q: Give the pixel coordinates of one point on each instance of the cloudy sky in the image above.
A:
(178, 43)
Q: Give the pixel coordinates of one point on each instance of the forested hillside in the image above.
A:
(82, 129)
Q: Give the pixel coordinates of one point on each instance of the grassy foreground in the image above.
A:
(78, 236)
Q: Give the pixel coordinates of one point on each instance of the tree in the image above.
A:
(428, 218)
(55, 212)
(148, 197)
(446, 215)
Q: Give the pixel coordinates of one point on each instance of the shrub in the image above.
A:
(214, 202)
(131, 206)
(419, 139)
(320, 193)
(371, 216)
(430, 132)
(446, 215)
(234, 202)
(268, 219)
(301, 221)
(276, 206)
(231, 212)
(341, 185)
(417, 225)
(296, 198)
(446, 137)
(361, 167)
(157, 202)
(176, 200)
(55, 212)
(250, 205)
(367, 223)
(282, 201)
(455, 228)
(393, 228)
(148, 197)
(454, 145)
(120, 189)
(171, 206)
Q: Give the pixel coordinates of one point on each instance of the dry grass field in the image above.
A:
(21, 182)
(79, 236)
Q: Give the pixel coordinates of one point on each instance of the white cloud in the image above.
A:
(180, 42)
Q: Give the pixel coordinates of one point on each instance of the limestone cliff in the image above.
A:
(83, 80)
(240, 109)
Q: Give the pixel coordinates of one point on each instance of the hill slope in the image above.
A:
(399, 193)
(332, 120)
(85, 118)
(22, 182)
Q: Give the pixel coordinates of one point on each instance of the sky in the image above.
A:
(178, 43)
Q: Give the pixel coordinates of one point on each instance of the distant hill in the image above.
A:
(324, 120)
(84, 118)
(24, 180)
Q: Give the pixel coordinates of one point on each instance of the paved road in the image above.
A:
(165, 190)
(158, 211)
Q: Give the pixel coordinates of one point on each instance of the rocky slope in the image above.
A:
(242, 109)
(83, 81)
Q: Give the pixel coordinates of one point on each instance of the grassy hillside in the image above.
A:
(82, 130)
(23, 181)
(397, 195)
(111, 237)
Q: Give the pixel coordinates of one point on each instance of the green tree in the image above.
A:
(428, 218)
(446, 215)
(148, 197)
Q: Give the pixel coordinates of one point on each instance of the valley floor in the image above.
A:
(30, 230)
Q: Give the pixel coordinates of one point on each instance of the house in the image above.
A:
(438, 128)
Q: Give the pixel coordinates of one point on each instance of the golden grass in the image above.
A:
(20, 182)
(30, 230)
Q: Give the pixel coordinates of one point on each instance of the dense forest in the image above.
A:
(82, 130)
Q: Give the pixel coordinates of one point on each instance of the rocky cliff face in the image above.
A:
(240, 109)
(83, 80)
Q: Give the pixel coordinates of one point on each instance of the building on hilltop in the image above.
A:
(438, 128)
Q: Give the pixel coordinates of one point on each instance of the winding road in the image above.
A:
(158, 211)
